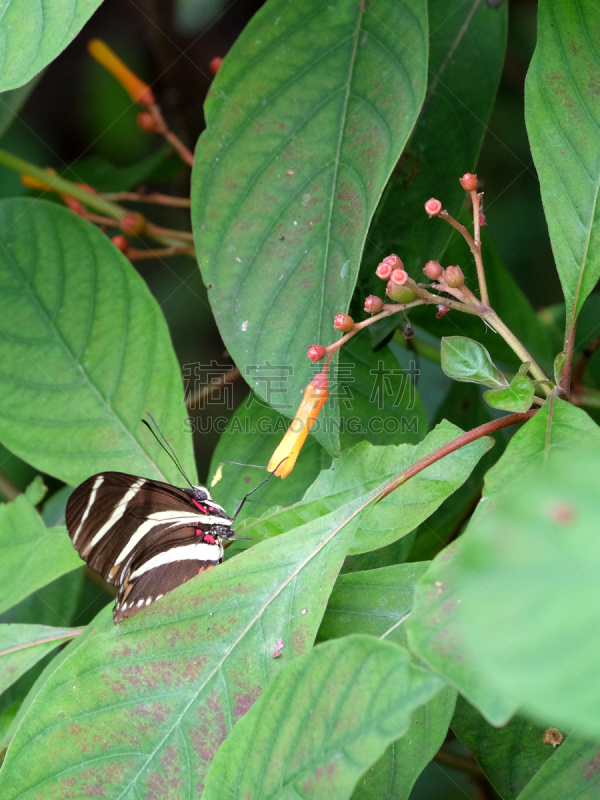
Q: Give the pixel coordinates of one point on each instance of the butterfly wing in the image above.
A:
(134, 529)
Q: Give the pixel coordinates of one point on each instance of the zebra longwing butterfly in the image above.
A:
(144, 536)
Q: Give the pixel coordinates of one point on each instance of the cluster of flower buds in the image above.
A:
(400, 288)
(451, 276)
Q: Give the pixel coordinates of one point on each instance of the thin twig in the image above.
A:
(139, 255)
(217, 383)
(152, 197)
(186, 155)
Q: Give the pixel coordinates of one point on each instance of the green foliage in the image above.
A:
(288, 173)
(314, 734)
(350, 628)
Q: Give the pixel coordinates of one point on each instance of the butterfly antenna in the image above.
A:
(166, 446)
(262, 483)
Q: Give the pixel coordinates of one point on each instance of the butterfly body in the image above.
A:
(144, 536)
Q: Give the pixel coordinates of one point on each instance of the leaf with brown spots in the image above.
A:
(145, 705)
(322, 722)
(562, 112)
(306, 119)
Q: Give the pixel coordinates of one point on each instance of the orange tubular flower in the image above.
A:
(315, 396)
(33, 183)
(137, 89)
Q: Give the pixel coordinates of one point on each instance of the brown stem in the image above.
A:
(186, 155)
(474, 244)
(213, 387)
(162, 252)
(565, 378)
(466, 438)
(153, 197)
(155, 230)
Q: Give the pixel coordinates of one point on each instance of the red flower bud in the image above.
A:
(433, 270)
(482, 221)
(469, 182)
(147, 122)
(75, 205)
(393, 261)
(133, 223)
(316, 352)
(121, 243)
(215, 65)
(343, 323)
(454, 277)
(433, 207)
(441, 311)
(373, 304)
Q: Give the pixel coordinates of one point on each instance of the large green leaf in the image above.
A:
(447, 138)
(147, 703)
(322, 721)
(510, 756)
(528, 590)
(84, 352)
(31, 555)
(377, 602)
(305, 122)
(22, 646)
(466, 360)
(32, 34)
(433, 629)
(562, 111)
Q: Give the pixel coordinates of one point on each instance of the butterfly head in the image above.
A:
(200, 493)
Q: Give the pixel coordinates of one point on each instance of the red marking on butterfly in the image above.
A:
(201, 507)
(208, 538)
(199, 532)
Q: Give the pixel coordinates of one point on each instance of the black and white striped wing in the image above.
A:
(135, 530)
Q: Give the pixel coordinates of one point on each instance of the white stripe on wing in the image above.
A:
(93, 493)
(199, 551)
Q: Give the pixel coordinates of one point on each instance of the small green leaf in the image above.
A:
(85, 352)
(36, 491)
(468, 361)
(32, 34)
(518, 396)
(559, 365)
(22, 646)
(32, 555)
(524, 368)
(324, 719)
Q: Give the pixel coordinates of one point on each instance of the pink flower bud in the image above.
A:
(433, 270)
(454, 277)
(373, 304)
(469, 182)
(383, 271)
(343, 323)
(482, 221)
(316, 352)
(441, 311)
(433, 207)
(399, 277)
(393, 261)
(121, 243)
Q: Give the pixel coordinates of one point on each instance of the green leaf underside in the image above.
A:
(32, 34)
(32, 555)
(305, 121)
(361, 471)
(31, 639)
(433, 628)
(376, 602)
(447, 138)
(562, 112)
(466, 360)
(144, 705)
(528, 572)
(517, 396)
(322, 722)
(84, 352)
(510, 756)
